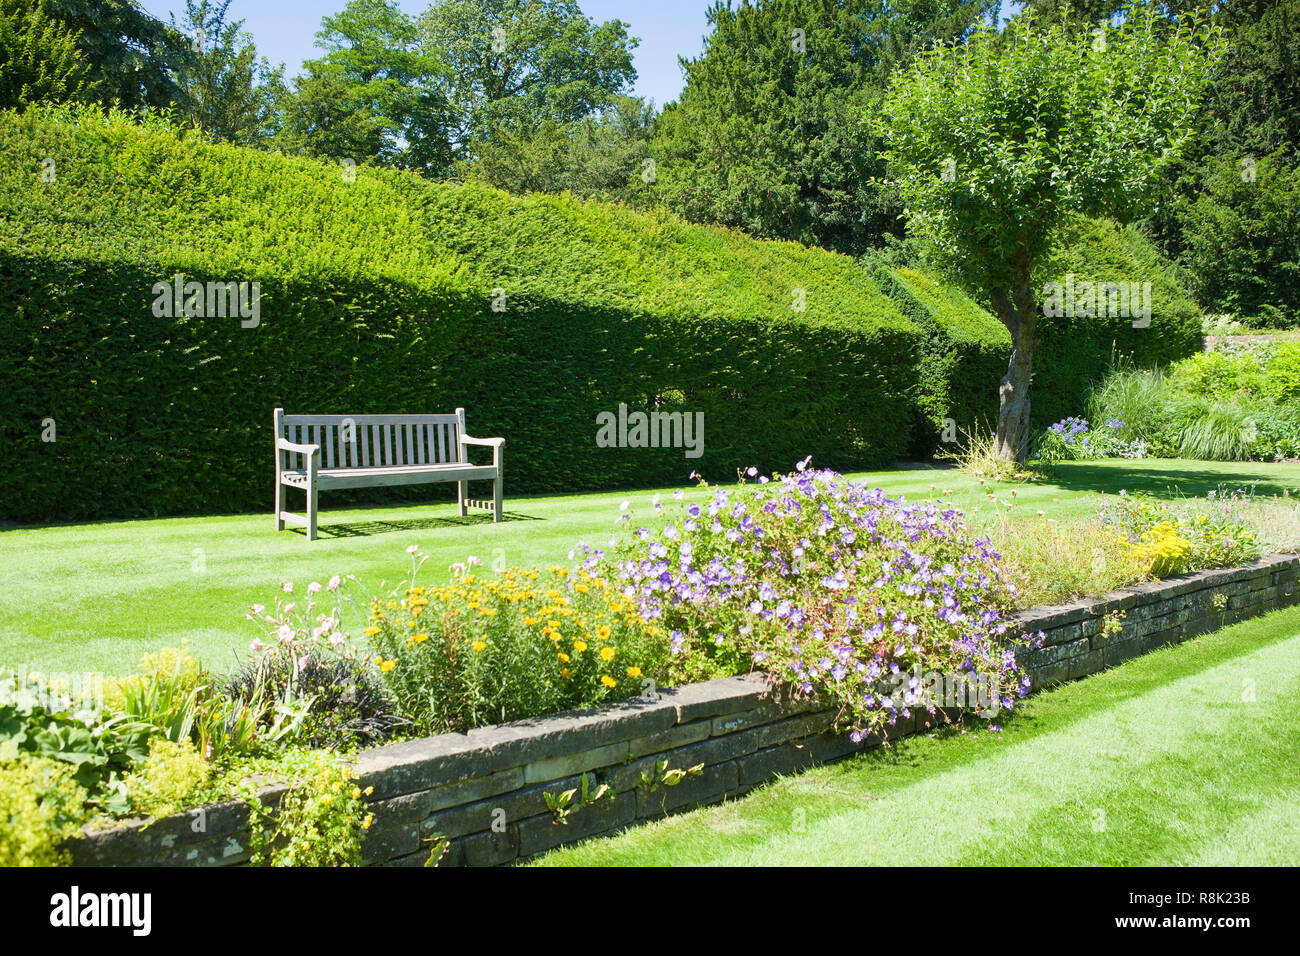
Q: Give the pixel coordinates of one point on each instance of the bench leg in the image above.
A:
(311, 509)
(279, 502)
(497, 495)
(462, 492)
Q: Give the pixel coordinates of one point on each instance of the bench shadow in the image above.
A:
(362, 529)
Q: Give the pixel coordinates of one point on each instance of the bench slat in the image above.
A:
(369, 419)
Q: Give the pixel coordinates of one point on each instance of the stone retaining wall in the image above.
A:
(485, 790)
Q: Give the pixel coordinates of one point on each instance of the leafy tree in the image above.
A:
(1251, 112)
(994, 143)
(130, 56)
(39, 59)
(602, 156)
(320, 118)
(392, 110)
(771, 133)
(1242, 237)
(512, 64)
(225, 89)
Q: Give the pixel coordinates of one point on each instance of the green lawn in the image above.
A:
(95, 597)
(1162, 761)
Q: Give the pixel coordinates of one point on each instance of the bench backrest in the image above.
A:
(372, 441)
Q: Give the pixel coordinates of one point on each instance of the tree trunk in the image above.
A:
(1016, 309)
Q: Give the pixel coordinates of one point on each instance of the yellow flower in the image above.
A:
(603, 632)
(562, 656)
(529, 621)
(478, 646)
(419, 638)
(488, 611)
(634, 672)
(371, 631)
(564, 672)
(579, 646)
(387, 666)
(606, 653)
(608, 681)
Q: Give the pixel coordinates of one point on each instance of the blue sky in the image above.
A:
(285, 31)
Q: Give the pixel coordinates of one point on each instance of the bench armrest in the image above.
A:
(283, 444)
(489, 442)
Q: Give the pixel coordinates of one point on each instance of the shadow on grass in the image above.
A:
(1172, 481)
(1073, 703)
(362, 529)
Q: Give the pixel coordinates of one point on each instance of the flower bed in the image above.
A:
(481, 798)
(869, 612)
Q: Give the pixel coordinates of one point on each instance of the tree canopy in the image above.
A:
(996, 142)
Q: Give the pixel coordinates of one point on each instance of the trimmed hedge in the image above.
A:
(376, 295)
(1074, 353)
(963, 355)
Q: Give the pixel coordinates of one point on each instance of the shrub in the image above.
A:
(1075, 352)
(40, 805)
(482, 650)
(162, 781)
(859, 599)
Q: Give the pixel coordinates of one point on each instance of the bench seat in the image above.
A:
(314, 452)
(393, 475)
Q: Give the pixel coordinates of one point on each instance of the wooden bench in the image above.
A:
(313, 452)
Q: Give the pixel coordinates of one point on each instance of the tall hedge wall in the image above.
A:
(376, 296)
(962, 357)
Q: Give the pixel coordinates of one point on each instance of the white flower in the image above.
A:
(313, 588)
(287, 587)
(412, 549)
(335, 582)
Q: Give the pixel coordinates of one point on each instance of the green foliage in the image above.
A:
(376, 296)
(601, 156)
(130, 55)
(963, 354)
(40, 805)
(771, 132)
(224, 88)
(161, 784)
(518, 644)
(521, 62)
(372, 97)
(1075, 352)
(319, 821)
(1241, 237)
(168, 692)
(39, 59)
(994, 142)
(1210, 406)
(47, 722)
